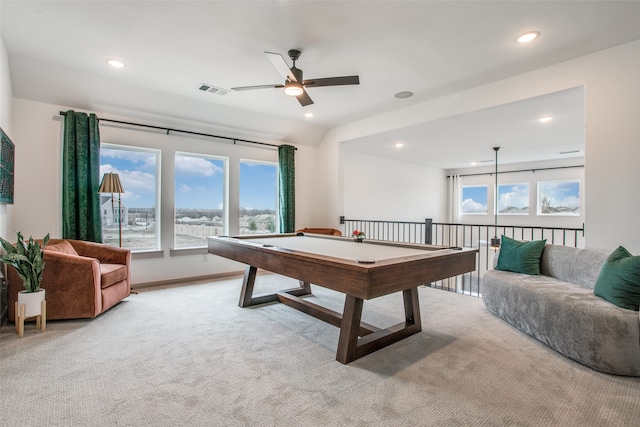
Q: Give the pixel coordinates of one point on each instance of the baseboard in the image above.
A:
(186, 280)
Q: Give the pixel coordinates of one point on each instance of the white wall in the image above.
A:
(38, 137)
(612, 150)
(383, 189)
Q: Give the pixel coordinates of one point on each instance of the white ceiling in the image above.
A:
(57, 52)
(457, 141)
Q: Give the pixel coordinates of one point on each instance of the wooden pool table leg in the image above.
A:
(348, 341)
(412, 308)
(246, 294)
(351, 347)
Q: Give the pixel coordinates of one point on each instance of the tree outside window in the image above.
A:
(559, 197)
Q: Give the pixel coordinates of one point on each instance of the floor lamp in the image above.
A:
(111, 184)
(495, 241)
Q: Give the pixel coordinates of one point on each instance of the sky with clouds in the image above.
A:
(199, 180)
(561, 193)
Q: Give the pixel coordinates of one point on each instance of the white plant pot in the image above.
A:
(32, 302)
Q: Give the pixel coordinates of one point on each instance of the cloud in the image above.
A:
(570, 202)
(471, 206)
(187, 165)
(517, 196)
(133, 182)
(184, 188)
(136, 157)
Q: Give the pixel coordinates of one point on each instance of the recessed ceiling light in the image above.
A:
(404, 94)
(115, 63)
(309, 115)
(399, 145)
(545, 119)
(474, 163)
(527, 37)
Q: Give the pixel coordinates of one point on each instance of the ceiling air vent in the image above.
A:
(212, 89)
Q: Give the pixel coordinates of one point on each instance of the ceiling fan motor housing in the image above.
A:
(297, 73)
(294, 54)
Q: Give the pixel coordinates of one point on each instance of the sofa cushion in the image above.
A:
(619, 280)
(574, 265)
(110, 274)
(63, 247)
(520, 257)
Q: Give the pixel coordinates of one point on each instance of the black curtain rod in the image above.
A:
(166, 129)
(520, 170)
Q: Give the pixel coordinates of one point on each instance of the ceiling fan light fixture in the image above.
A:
(293, 89)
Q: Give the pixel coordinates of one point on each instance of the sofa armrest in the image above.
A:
(103, 253)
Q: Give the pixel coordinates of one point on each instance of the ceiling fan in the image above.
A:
(294, 84)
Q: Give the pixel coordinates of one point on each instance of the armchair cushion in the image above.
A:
(63, 247)
(110, 274)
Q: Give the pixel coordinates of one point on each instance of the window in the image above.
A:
(559, 197)
(134, 211)
(200, 194)
(474, 200)
(513, 199)
(258, 197)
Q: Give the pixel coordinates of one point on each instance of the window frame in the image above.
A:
(528, 198)
(559, 214)
(462, 188)
(157, 189)
(277, 199)
(225, 195)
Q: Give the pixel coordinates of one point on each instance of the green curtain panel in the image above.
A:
(287, 188)
(81, 178)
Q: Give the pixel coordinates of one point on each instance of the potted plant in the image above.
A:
(28, 260)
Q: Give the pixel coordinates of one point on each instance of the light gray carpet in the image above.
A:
(189, 355)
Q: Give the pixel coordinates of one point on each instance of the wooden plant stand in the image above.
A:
(41, 320)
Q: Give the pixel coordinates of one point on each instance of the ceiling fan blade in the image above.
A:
(304, 99)
(257, 87)
(333, 81)
(281, 65)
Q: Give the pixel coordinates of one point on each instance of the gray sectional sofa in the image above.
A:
(558, 307)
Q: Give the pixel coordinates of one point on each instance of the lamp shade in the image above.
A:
(111, 184)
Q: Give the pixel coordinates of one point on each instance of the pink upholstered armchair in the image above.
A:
(81, 279)
(328, 231)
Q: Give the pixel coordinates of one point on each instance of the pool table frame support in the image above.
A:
(357, 339)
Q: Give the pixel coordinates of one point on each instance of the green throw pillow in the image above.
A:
(619, 279)
(520, 257)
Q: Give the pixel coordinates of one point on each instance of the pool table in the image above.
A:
(360, 270)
